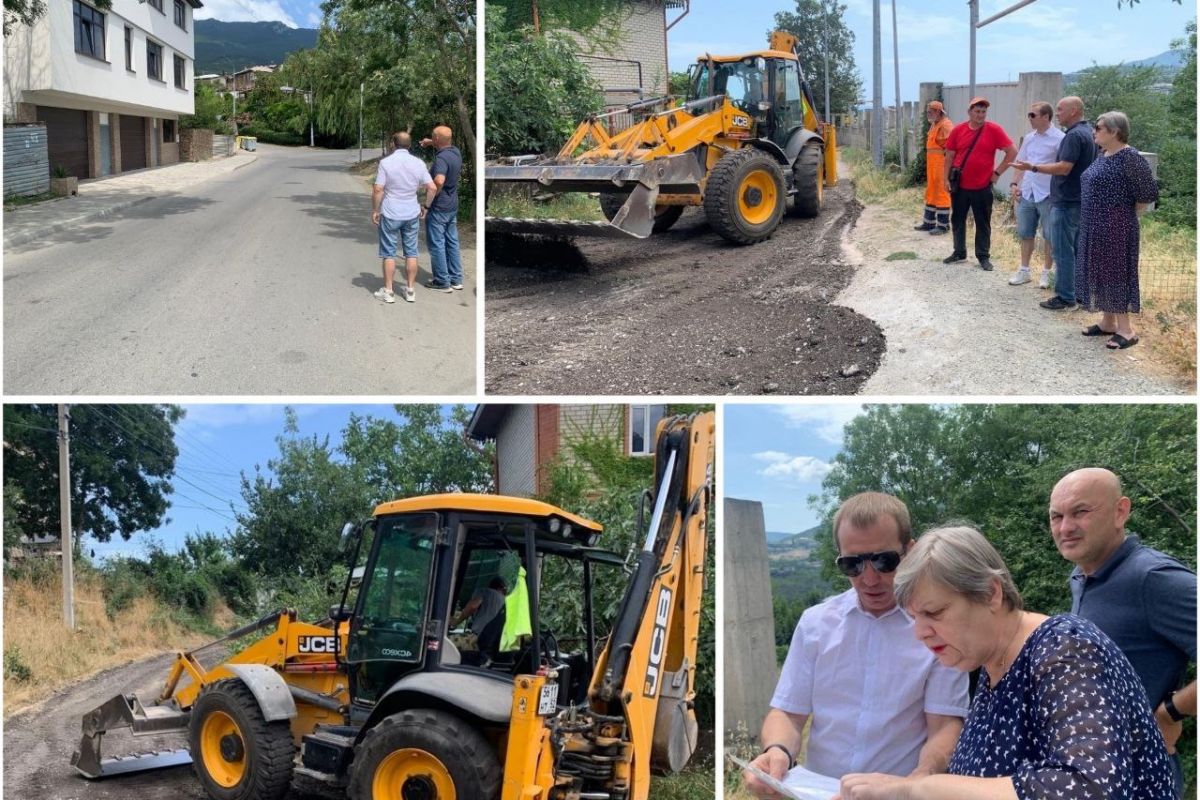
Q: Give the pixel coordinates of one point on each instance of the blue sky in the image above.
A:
(1049, 35)
(778, 455)
(218, 442)
(293, 13)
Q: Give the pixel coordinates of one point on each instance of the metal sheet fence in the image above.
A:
(26, 160)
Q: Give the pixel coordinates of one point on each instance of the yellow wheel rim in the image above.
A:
(757, 197)
(222, 749)
(412, 774)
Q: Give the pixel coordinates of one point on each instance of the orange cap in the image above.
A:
(979, 101)
(936, 105)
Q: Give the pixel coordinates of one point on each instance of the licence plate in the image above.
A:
(548, 700)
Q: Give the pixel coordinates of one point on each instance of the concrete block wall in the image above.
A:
(749, 623)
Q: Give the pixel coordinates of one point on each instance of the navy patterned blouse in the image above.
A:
(1068, 720)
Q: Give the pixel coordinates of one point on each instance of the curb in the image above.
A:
(25, 237)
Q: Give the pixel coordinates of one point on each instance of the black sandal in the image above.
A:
(1119, 342)
(1096, 330)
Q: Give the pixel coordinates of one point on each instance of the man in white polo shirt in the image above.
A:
(398, 214)
(878, 699)
(1031, 193)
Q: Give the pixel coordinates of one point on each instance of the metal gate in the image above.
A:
(66, 136)
(26, 162)
(133, 142)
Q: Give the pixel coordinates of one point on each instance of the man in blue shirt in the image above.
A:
(441, 226)
(1144, 600)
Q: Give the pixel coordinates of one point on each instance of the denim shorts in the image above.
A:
(1029, 214)
(403, 229)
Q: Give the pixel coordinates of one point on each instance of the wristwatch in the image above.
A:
(996, 173)
(1033, 168)
(1168, 704)
(788, 753)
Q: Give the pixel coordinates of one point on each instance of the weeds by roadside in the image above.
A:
(19, 201)
(518, 202)
(1167, 264)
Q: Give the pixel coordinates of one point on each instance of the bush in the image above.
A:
(15, 668)
(267, 136)
(124, 582)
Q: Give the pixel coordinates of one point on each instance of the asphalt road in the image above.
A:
(258, 282)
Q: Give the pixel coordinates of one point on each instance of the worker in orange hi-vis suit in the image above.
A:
(937, 199)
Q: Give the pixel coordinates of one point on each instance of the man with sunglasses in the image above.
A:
(877, 698)
(1031, 192)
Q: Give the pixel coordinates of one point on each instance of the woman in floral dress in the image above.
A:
(1117, 188)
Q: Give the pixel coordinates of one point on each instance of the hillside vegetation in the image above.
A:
(226, 47)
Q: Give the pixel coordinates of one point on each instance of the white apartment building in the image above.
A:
(110, 86)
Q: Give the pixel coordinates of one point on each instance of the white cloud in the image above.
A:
(246, 11)
(803, 469)
(826, 421)
(209, 416)
(313, 20)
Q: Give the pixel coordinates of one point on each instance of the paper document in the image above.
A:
(799, 783)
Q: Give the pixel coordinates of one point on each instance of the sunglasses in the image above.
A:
(1032, 114)
(853, 566)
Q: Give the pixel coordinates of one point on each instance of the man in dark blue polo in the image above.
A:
(441, 225)
(1143, 599)
(1076, 152)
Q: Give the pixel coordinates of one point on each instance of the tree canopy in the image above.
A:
(809, 23)
(293, 519)
(122, 459)
(994, 466)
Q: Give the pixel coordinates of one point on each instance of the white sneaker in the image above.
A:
(409, 295)
(456, 287)
(385, 295)
(1020, 276)
(1044, 283)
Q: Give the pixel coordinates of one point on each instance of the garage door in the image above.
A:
(66, 139)
(133, 142)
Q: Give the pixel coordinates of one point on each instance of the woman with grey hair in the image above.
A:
(1115, 189)
(1059, 712)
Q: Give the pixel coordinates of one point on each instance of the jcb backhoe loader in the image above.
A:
(384, 699)
(746, 139)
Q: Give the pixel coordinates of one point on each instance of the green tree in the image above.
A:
(122, 459)
(568, 15)
(537, 90)
(212, 110)
(1123, 88)
(1177, 166)
(27, 12)
(813, 27)
(290, 529)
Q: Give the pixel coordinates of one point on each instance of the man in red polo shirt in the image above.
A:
(972, 148)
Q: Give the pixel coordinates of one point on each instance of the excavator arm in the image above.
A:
(640, 710)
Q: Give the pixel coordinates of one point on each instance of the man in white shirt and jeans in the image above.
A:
(1032, 193)
(398, 214)
(878, 699)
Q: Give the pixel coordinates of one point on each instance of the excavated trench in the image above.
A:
(681, 313)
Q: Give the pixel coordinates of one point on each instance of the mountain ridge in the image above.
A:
(227, 47)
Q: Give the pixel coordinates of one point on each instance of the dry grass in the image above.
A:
(38, 644)
(1167, 264)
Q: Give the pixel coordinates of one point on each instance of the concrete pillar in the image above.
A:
(148, 127)
(25, 113)
(750, 672)
(93, 139)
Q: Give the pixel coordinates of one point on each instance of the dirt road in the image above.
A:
(681, 313)
(39, 741)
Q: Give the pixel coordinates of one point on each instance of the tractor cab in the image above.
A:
(447, 597)
(765, 85)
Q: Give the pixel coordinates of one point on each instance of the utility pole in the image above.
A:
(235, 133)
(825, 20)
(976, 24)
(899, 106)
(64, 508)
(877, 93)
(361, 86)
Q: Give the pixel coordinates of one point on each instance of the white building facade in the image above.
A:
(110, 86)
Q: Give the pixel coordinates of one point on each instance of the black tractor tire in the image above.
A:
(808, 173)
(254, 758)
(664, 216)
(745, 196)
(420, 753)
